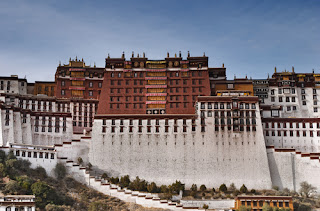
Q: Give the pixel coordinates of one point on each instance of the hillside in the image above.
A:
(55, 194)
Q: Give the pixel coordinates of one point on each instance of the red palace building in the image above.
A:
(169, 86)
(76, 80)
(140, 86)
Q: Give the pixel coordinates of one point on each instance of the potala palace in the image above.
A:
(167, 120)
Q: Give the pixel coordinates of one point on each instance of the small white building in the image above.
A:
(17, 203)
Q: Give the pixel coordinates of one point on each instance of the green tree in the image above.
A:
(11, 155)
(3, 171)
(203, 188)
(243, 189)
(44, 194)
(152, 188)
(176, 187)
(25, 183)
(60, 171)
(3, 156)
(194, 187)
(223, 188)
(12, 187)
(114, 180)
(40, 172)
(22, 165)
(138, 185)
(304, 207)
(124, 181)
(306, 189)
(232, 188)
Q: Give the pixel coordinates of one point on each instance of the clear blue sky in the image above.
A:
(249, 36)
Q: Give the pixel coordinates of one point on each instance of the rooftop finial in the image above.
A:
(76, 58)
(246, 76)
(70, 59)
(312, 70)
(293, 69)
(122, 55)
(268, 75)
(222, 64)
(275, 69)
(179, 53)
(175, 55)
(59, 63)
(82, 59)
(168, 54)
(108, 56)
(204, 54)
(188, 53)
(132, 54)
(144, 55)
(138, 55)
(94, 65)
(234, 76)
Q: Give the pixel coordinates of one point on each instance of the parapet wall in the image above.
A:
(289, 168)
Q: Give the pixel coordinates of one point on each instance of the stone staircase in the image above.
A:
(82, 175)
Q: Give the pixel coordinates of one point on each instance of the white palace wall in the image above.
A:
(290, 168)
(211, 157)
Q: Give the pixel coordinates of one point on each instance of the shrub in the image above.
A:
(193, 194)
(253, 191)
(194, 187)
(266, 207)
(244, 208)
(306, 189)
(275, 187)
(164, 189)
(236, 192)
(104, 176)
(223, 188)
(53, 207)
(80, 161)
(89, 166)
(213, 191)
(176, 187)
(203, 188)
(205, 206)
(98, 205)
(60, 171)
